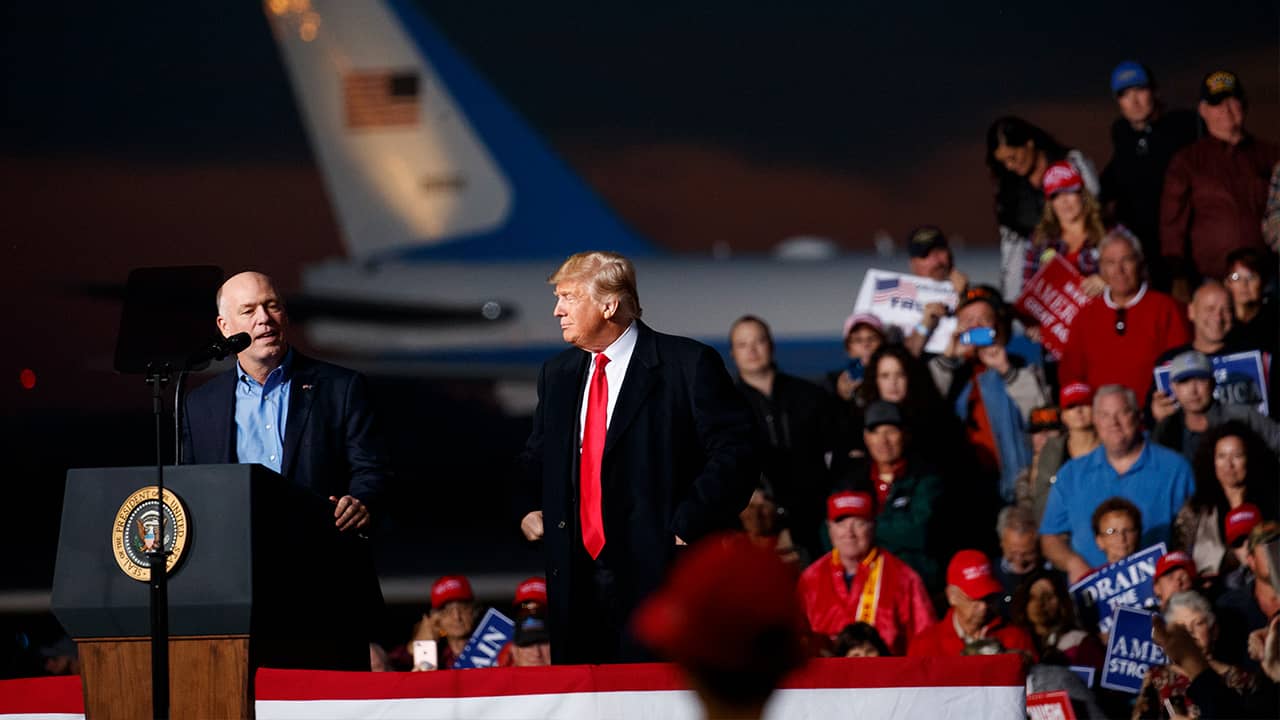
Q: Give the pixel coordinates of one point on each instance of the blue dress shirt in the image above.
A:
(261, 413)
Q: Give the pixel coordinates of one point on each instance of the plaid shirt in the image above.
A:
(1042, 248)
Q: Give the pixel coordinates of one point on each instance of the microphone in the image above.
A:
(217, 350)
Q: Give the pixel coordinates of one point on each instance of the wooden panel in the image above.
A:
(208, 678)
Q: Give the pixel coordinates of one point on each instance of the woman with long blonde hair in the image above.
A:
(1071, 226)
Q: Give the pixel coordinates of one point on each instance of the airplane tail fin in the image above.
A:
(421, 157)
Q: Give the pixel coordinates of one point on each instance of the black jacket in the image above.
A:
(678, 461)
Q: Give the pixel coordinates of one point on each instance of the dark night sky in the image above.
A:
(141, 134)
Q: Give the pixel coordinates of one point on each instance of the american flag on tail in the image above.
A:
(891, 288)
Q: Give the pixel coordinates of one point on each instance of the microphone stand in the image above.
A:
(178, 386)
(157, 376)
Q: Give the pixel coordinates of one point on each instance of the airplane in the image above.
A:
(447, 198)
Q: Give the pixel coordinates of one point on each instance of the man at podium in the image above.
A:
(308, 420)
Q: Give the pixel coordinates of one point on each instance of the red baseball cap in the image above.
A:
(1061, 177)
(720, 601)
(1076, 393)
(970, 571)
(1174, 560)
(846, 503)
(450, 588)
(533, 589)
(1239, 522)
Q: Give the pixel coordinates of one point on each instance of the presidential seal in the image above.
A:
(136, 531)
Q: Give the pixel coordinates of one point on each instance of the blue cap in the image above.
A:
(1129, 74)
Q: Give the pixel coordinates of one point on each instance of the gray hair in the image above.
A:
(1119, 234)
(1130, 399)
(1190, 600)
(1016, 518)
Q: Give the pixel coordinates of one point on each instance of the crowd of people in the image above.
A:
(968, 490)
(946, 503)
(926, 503)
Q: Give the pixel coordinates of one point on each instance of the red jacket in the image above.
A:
(941, 639)
(1098, 355)
(903, 610)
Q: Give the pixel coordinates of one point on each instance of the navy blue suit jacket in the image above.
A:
(330, 446)
(678, 460)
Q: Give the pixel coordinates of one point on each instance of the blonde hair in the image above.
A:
(1094, 230)
(607, 276)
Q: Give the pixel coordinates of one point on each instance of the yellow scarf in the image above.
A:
(869, 601)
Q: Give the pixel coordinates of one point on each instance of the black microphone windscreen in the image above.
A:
(238, 342)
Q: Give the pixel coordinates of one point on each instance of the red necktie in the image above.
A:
(592, 451)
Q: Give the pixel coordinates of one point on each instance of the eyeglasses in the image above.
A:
(1125, 532)
(1121, 313)
(1242, 277)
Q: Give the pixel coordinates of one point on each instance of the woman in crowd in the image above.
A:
(1255, 324)
(1164, 689)
(906, 490)
(1232, 467)
(1018, 154)
(1076, 401)
(895, 375)
(1071, 226)
(1043, 606)
(1117, 528)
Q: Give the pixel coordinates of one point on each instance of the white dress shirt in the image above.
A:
(619, 354)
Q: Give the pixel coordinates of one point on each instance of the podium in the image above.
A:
(261, 578)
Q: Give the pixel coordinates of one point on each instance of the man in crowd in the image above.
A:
(453, 617)
(1117, 337)
(313, 423)
(1175, 573)
(1210, 314)
(972, 594)
(797, 427)
(1197, 411)
(1155, 479)
(991, 390)
(531, 643)
(1211, 322)
(1143, 140)
(930, 256)
(859, 582)
(640, 444)
(1215, 190)
(1019, 548)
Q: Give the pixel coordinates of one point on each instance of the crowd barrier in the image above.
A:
(960, 688)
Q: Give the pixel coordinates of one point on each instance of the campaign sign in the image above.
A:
(1130, 651)
(1051, 705)
(1084, 672)
(1239, 379)
(481, 651)
(1054, 298)
(899, 299)
(1127, 583)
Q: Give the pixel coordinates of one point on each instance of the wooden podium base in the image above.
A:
(208, 677)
